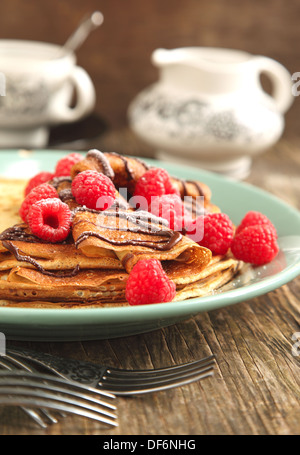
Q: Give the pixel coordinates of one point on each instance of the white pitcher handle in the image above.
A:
(85, 96)
(281, 80)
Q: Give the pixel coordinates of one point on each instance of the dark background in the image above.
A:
(117, 56)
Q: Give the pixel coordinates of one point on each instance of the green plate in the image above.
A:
(234, 198)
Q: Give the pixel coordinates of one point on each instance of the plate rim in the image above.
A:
(190, 306)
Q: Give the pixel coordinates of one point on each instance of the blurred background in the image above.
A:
(117, 56)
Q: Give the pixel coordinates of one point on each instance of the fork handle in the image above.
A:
(76, 370)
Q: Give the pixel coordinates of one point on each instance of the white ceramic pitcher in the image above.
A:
(208, 107)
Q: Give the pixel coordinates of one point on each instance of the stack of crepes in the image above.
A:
(91, 267)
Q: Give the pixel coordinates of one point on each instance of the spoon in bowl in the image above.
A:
(86, 26)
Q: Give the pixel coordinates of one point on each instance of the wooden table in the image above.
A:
(255, 389)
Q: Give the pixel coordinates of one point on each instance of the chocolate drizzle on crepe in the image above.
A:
(25, 258)
(174, 238)
(56, 181)
(20, 233)
(125, 161)
(139, 223)
(66, 195)
(103, 161)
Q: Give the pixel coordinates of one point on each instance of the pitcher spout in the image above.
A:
(161, 57)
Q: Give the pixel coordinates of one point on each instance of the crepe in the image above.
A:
(125, 171)
(100, 286)
(45, 271)
(52, 256)
(29, 288)
(134, 236)
(11, 197)
(91, 267)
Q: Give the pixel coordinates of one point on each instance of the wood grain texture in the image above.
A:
(255, 389)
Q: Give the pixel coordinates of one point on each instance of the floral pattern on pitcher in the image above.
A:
(190, 119)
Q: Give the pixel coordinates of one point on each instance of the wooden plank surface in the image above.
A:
(255, 389)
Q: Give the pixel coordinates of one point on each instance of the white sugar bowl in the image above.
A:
(208, 108)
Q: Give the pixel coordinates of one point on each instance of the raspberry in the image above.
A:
(252, 218)
(171, 208)
(94, 190)
(50, 220)
(38, 179)
(255, 244)
(43, 191)
(148, 283)
(64, 165)
(155, 182)
(217, 230)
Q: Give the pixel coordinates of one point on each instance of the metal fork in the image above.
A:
(37, 390)
(117, 381)
(41, 416)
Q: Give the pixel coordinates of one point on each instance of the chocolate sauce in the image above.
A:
(139, 217)
(119, 204)
(129, 172)
(146, 167)
(103, 161)
(174, 238)
(195, 207)
(66, 195)
(140, 221)
(18, 233)
(198, 186)
(185, 192)
(184, 183)
(56, 181)
(24, 258)
(83, 208)
(124, 159)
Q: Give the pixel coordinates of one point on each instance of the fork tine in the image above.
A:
(31, 355)
(25, 366)
(16, 358)
(53, 383)
(58, 392)
(28, 391)
(117, 381)
(40, 402)
(14, 362)
(157, 387)
(166, 369)
(155, 380)
(169, 372)
(108, 382)
(34, 414)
